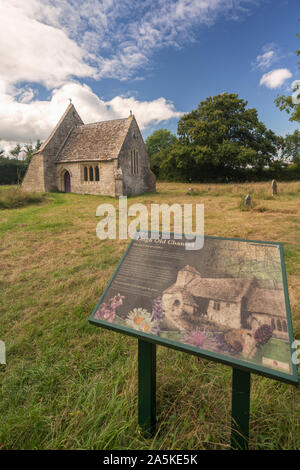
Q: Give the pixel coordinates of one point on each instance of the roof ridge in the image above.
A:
(107, 120)
(45, 143)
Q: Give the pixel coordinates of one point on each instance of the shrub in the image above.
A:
(14, 197)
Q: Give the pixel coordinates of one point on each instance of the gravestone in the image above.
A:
(247, 201)
(274, 187)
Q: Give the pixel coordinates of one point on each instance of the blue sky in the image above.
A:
(158, 58)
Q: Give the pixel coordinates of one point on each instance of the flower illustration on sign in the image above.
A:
(140, 319)
(157, 310)
(107, 311)
(263, 334)
(195, 337)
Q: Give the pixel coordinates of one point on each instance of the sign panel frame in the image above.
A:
(203, 353)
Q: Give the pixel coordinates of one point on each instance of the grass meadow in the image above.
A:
(69, 385)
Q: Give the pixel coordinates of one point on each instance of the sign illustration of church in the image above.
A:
(230, 303)
(107, 158)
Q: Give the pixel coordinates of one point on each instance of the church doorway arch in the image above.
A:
(67, 182)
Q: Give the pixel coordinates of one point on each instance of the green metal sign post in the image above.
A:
(147, 387)
(147, 397)
(240, 410)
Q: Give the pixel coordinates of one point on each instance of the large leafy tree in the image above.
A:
(291, 104)
(222, 136)
(159, 140)
(291, 148)
(158, 144)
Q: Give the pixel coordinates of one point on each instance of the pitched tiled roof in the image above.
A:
(220, 289)
(97, 141)
(266, 301)
(227, 289)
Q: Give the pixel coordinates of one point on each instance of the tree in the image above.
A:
(291, 104)
(11, 170)
(15, 152)
(159, 140)
(156, 145)
(29, 150)
(222, 137)
(291, 148)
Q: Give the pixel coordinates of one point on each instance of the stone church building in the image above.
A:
(107, 158)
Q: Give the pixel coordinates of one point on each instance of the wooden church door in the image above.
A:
(67, 182)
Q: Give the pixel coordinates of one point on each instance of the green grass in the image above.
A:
(69, 385)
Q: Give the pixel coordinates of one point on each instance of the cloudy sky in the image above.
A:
(158, 58)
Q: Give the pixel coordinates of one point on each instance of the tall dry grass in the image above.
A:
(14, 196)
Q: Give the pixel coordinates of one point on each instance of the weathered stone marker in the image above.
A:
(274, 187)
(247, 201)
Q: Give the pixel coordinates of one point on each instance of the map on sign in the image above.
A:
(227, 301)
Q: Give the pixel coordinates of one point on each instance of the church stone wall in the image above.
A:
(144, 180)
(106, 185)
(34, 176)
(41, 173)
(55, 143)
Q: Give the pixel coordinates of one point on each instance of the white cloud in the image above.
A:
(54, 43)
(25, 95)
(48, 42)
(32, 51)
(265, 60)
(270, 54)
(169, 23)
(146, 112)
(27, 121)
(275, 78)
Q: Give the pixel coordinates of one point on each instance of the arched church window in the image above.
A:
(91, 171)
(131, 162)
(279, 327)
(85, 173)
(284, 325)
(97, 173)
(273, 324)
(134, 162)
